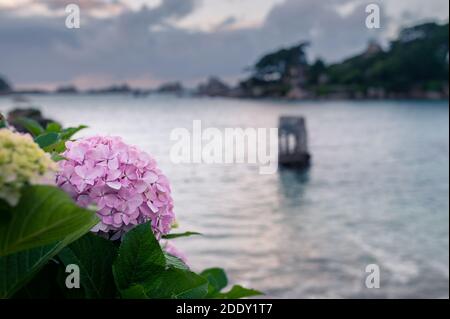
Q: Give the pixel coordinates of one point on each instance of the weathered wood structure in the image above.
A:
(293, 142)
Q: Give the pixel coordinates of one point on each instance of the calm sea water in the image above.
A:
(377, 192)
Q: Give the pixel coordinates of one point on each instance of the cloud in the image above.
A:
(332, 35)
(176, 8)
(147, 46)
(83, 4)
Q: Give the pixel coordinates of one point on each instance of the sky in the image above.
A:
(148, 42)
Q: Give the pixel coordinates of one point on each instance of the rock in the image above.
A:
(5, 88)
(30, 113)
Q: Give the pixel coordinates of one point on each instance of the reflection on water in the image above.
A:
(377, 192)
(293, 183)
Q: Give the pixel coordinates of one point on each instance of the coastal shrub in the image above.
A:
(109, 215)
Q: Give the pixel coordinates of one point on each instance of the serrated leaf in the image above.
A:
(95, 256)
(141, 270)
(176, 284)
(217, 279)
(175, 262)
(67, 133)
(139, 256)
(44, 215)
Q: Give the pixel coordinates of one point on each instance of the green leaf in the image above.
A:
(2, 121)
(95, 256)
(30, 125)
(177, 284)
(139, 256)
(141, 270)
(175, 262)
(5, 213)
(56, 157)
(134, 292)
(217, 279)
(56, 148)
(44, 215)
(238, 292)
(44, 285)
(178, 235)
(174, 284)
(67, 133)
(47, 139)
(53, 127)
(17, 269)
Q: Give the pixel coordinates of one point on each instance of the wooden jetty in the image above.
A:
(293, 142)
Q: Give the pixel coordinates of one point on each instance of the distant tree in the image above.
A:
(275, 66)
(417, 58)
(417, 61)
(317, 69)
(277, 73)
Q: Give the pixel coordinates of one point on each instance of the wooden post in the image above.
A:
(293, 142)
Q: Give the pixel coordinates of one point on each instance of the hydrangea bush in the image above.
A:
(22, 162)
(49, 228)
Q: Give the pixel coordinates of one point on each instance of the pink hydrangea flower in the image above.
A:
(123, 182)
